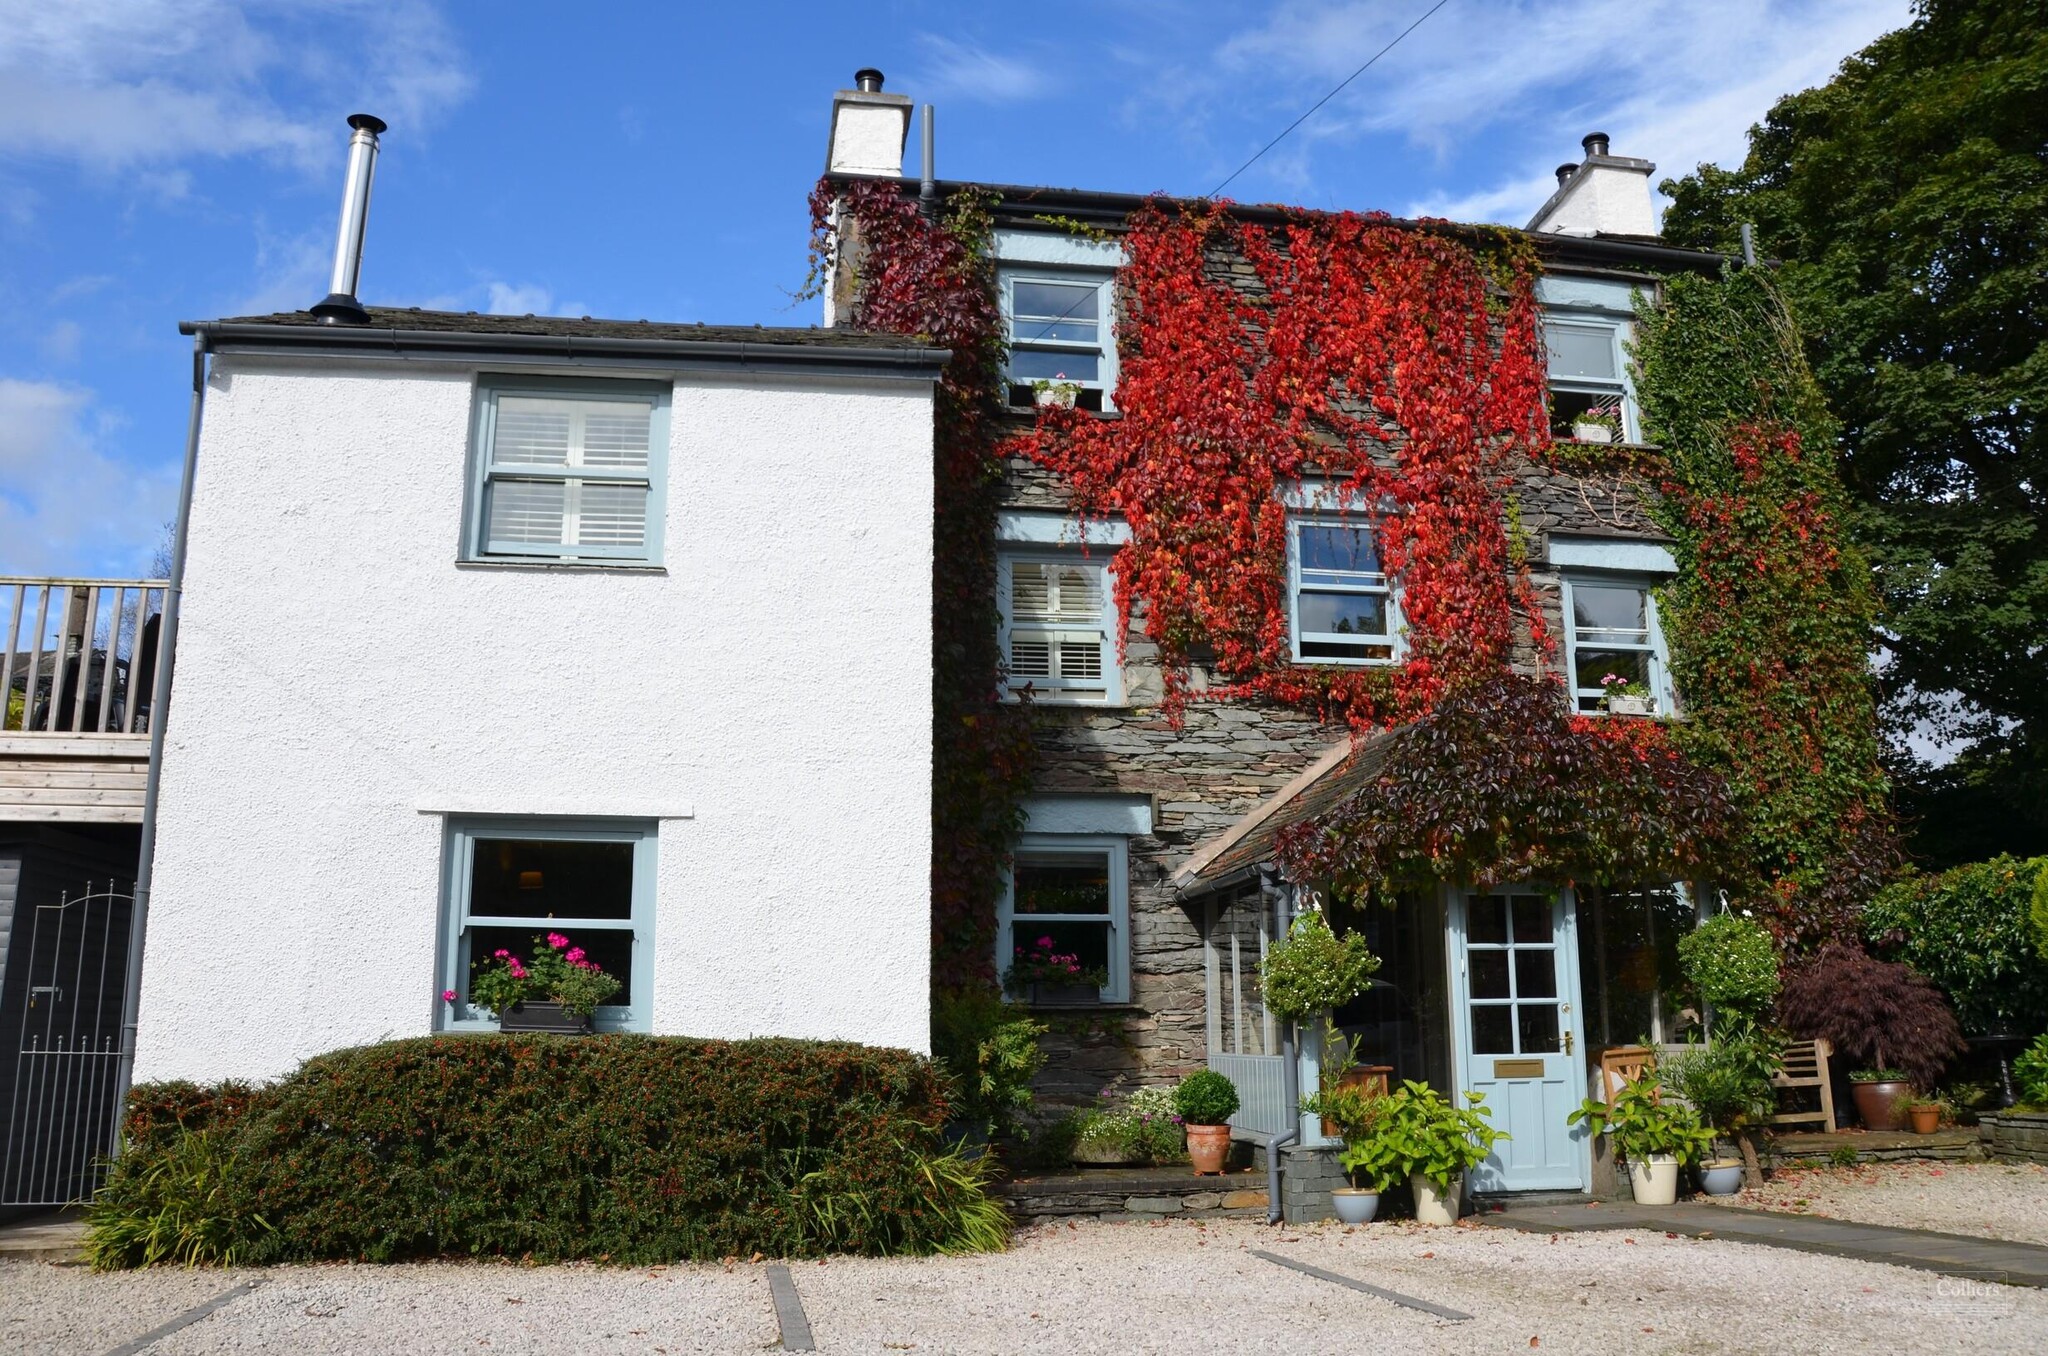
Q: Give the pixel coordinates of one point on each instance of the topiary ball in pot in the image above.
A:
(1205, 1102)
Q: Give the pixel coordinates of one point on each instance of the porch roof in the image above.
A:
(1343, 769)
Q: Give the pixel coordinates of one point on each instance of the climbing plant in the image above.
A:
(1772, 609)
(1399, 369)
(931, 277)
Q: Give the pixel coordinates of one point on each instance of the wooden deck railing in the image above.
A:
(79, 657)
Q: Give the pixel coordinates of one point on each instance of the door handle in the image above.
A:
(1567, 1042)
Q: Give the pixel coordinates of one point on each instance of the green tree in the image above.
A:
(1907, 203)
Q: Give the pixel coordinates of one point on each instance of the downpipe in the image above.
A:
(159, 719)
(1282, 896)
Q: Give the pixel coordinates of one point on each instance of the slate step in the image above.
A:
(1146, 1193)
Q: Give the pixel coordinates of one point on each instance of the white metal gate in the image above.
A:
(63, 1041)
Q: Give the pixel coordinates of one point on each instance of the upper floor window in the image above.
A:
(569, 472)
(1616, 649)
(1589, 394)
(1057, 616)
(1060, 327)
(1343, 603)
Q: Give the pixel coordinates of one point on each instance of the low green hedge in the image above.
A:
(630, 1149)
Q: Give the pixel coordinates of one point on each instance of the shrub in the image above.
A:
(1879, 1014)
(991, 1050)
(171, 1203)
(1732, 962)
(158, 1113)
(1970, 931)
(2031, 1068)
(1313, 970)
(1205, 1098)
(632, 1149)
(2039, 913)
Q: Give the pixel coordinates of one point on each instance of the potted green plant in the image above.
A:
(1205, 1102)
(1355, 1113)
(1047, 977)
(1925, 1114)
(1881, 1097)
(1729, 1084)
(1311, 972)
(1653, 1134)
(1422, 1136)
(555, 991)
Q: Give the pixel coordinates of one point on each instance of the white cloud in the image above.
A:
(1671, 80)
(126, 84)
(66, 506)
(963, 70)
(528, 299)
(60, 343)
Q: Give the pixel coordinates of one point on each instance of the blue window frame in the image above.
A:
(1611, 627)
(1073, 889)
(1062, 328)
(508, 880)
(569, 471)
(1342, 605)
(1058, 611)
(1589, 376)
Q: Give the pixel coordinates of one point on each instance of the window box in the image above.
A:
(1631, 706)
(1047, 995)
(539, 1018)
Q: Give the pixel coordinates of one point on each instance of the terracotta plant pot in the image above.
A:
(1880, 1104)
(1208, 1148)
(1370, 1079)
(1926, 1119)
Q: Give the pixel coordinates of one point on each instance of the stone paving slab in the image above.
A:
(55, 1237)
(1953, 1254)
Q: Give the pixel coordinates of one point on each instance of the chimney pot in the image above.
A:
(1595, 143)
(339, 306)
(868, 80)
(1565, 172)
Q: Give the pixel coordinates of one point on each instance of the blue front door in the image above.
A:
(1515, 991)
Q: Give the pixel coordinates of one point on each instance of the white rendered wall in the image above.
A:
(337, 673)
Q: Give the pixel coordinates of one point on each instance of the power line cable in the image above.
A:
(1331, 95)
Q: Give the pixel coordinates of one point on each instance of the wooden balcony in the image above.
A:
(77, 671)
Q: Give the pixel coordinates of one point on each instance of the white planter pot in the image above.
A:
(1721, 1179)
(1054, 397)
(1628, 706)
(1592, 433)
(1355, 1205)
(1432, 1207)
(1655, 1182)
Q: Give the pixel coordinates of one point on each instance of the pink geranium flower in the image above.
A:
(447, 995)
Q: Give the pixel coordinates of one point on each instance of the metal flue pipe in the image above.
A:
(340, 306)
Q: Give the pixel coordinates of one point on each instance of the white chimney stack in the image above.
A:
(1602, 195)
(340, 306)
(869, 128)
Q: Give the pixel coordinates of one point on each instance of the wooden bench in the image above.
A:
(1806, 1066)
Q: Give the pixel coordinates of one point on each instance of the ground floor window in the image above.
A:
(1628, 961)
(511, 880)
(1070, 894)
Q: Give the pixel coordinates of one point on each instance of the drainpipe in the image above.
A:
(1282, 896)
(159, 713)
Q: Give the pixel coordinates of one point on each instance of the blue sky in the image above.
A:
(181, 159)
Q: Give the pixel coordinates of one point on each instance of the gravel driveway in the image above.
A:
(1987, 1200)
(1173, 1287)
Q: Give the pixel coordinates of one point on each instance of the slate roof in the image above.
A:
(1342, 770)
(572, 327)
